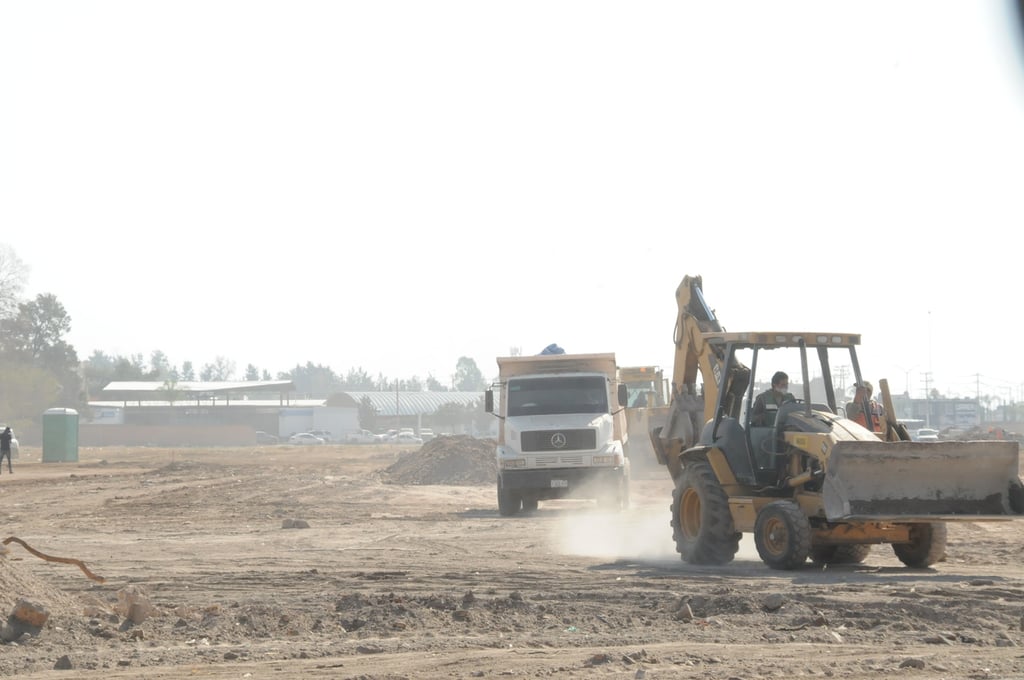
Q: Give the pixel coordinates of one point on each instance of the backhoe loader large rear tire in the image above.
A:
(701, 524)
(782, 535)
(927, 545)
(840, 554)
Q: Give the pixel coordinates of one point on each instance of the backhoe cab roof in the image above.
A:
(783, 339)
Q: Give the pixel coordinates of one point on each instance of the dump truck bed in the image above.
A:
(509, 367)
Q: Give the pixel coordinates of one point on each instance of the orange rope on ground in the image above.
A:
(51, 558)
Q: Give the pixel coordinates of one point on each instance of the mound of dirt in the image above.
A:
(20, 582)
(457, 459)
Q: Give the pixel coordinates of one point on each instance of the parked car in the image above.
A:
(426, 434)
(406, 438)
(926, 434)
(323, 434)
(266, 438)
(307, 438)
(360, 437)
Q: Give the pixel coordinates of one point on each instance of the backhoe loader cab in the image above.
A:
(810, 482)
(756, 452)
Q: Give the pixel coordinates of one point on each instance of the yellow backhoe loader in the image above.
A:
(808, 482)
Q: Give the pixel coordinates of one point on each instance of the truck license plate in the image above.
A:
(559, 483)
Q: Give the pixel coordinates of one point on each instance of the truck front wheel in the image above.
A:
(509, 502)
(840, 554)
(615, 495)
(926, 547)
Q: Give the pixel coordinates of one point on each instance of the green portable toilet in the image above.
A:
(60, 435)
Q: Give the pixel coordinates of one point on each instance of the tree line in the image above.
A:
(40, 369)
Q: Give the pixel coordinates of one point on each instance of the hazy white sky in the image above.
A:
(393, 185)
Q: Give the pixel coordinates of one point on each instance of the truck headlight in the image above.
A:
(607, 460)
(512, 463)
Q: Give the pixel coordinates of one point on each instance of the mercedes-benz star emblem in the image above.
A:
(558, 440)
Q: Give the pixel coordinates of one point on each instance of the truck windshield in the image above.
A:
(555, 395)
(643, 393)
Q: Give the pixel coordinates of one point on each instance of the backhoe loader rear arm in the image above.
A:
(692, 352)
(689, 410)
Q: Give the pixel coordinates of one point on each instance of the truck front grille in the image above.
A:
(559, 440)
(558, 461)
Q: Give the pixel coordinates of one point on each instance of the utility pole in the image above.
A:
(977, 392)
(929, 341)
(927, 386)
(842, 377)
(927, 397)
(906, 375)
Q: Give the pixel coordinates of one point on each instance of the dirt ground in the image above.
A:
(381, 563)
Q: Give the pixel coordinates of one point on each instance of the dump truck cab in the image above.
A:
(561, 431)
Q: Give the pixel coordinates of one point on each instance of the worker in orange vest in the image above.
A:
(855, 409)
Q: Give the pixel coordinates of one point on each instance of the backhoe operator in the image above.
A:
(766, 405)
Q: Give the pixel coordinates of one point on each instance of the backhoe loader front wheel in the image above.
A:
(701, 523)
(926, 547)
(782, 535)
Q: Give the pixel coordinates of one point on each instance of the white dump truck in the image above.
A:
(561, 431)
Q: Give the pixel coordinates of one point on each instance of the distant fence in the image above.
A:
(165, 435)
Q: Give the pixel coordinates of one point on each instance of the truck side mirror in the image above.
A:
(623, 395)
(489, 401)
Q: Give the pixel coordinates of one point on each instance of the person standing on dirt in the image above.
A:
(5, 448)
(766, 405)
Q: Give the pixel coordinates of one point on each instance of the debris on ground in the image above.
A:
(22, 585)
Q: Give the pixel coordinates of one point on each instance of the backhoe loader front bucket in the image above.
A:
(918, 481)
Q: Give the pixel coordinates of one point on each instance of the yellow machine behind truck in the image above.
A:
(811, 482)
(646, 409)
(561, 431)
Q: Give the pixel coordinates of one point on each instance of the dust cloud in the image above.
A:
(640, 534)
